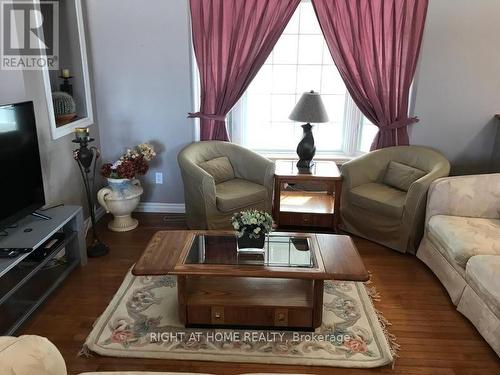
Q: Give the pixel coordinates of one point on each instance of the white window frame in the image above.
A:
(352, 131)
(351, 140)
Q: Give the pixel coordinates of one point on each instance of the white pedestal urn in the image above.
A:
(121, 197)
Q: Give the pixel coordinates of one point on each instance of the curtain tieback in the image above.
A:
(400, 123)
(207, 116)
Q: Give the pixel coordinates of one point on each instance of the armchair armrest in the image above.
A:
(364, 169)
(416, 198)
(253, 167)
(417, 193)
(199, 187)
(470, 196)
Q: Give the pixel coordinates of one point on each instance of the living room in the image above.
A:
(260, 186)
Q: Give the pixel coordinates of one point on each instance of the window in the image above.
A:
(299, 62)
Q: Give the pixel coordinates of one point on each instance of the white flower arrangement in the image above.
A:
(144, 150)
(147, 151)
(253, 222)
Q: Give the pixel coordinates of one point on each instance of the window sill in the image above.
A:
(337, 158)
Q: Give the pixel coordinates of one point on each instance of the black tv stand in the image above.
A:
(40, 216)
(26, 282)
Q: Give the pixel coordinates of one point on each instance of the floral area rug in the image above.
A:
(141, 321)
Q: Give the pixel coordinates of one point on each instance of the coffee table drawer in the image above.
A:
(249, 316)
(306, 220)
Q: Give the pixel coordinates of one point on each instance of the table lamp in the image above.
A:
(309, 108)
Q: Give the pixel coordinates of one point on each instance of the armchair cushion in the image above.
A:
(460, 238)
(379, 198)
(238, 193)
(219, 168)
(401, 176)
(483, 275)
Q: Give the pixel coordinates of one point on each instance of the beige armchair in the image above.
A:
(384, 194)
(221, 178)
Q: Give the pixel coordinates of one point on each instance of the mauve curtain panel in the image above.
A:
(232, 39)
(375, 45)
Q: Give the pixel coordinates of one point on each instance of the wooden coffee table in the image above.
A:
(218, 286)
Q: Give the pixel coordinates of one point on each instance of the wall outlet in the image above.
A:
(159, 177)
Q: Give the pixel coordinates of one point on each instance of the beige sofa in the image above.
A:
(35, 355)
(221, 178)
(384, 194)
(461, 246)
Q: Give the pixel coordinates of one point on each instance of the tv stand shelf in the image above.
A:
(25, 285)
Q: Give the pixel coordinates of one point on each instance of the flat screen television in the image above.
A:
(21, 186)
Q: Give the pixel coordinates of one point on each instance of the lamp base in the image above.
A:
(305, 170)
(97, 249)
(306, 150)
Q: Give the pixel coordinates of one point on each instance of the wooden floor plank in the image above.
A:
(435, 339)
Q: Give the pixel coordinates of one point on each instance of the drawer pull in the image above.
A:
(281, 317)
(217, 314)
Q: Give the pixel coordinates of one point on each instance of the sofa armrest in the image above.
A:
(469, 196)
(30, 354)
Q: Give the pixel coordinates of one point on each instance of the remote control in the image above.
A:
(23, 250)
(8, 253)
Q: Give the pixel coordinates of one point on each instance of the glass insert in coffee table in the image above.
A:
(279, 251)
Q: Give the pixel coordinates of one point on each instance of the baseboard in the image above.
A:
(99, 213)
(174, 208)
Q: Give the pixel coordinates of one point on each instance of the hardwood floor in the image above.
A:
(435, 339)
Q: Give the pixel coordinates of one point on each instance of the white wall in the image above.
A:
(458, 82)
(11, 87)
(62, 181)
(140, 60)
(142, 80)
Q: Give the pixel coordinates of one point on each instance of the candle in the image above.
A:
(82, 134)
(65, 73)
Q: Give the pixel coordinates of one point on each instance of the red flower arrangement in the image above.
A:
(135, 162)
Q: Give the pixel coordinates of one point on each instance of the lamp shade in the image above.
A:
(309, 108)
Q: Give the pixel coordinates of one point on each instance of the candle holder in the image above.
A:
(66, 86)
(84, 156)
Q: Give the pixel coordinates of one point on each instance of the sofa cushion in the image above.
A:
(401, 176)
(28, 355)
(460, 238)
(140, 373)
(219, 168)
(238, 193)
(483, 275)
(379, 198)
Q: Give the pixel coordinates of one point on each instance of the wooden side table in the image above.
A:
(310, 209)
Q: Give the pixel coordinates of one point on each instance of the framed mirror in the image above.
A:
(68, 91)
